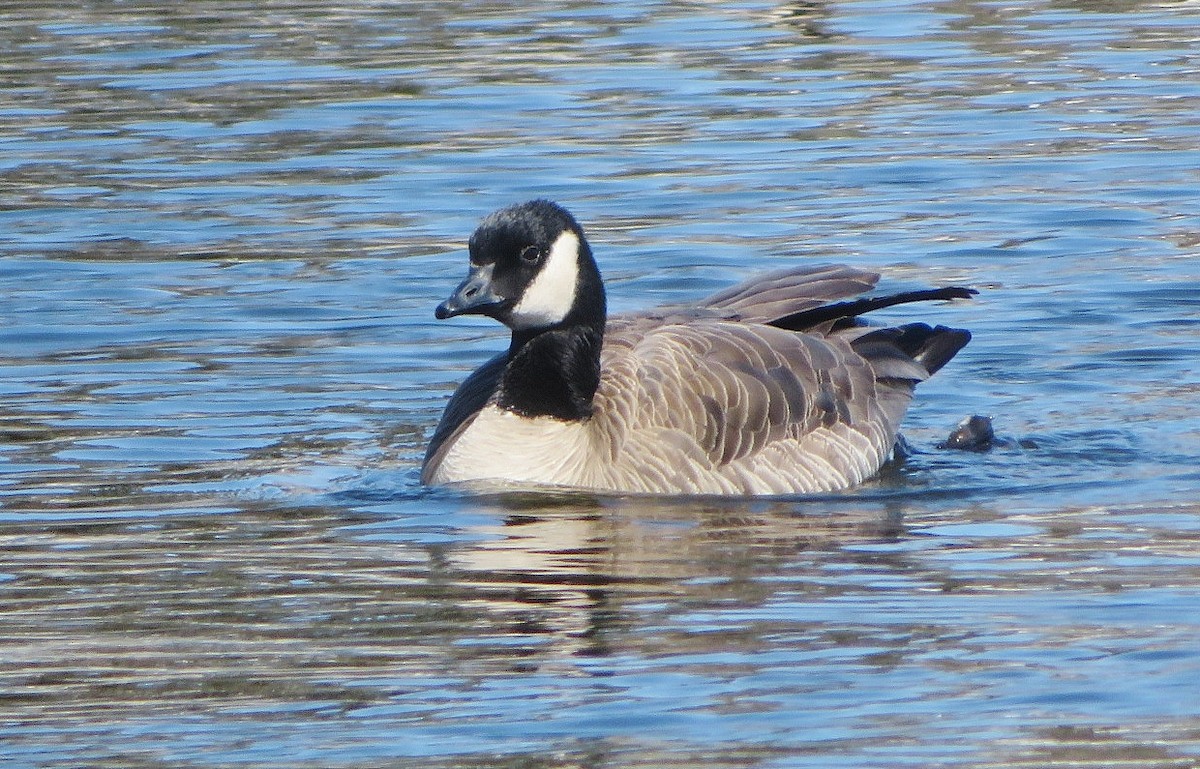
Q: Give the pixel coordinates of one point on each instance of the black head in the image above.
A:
(531, 269)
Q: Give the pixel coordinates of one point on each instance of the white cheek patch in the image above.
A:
(550, 296)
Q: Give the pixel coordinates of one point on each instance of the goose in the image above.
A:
(771, 387)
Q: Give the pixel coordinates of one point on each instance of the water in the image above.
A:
(224, 227)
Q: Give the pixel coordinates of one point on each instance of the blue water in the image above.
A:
(224, 228)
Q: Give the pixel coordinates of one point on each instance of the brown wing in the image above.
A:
(784, 292)
(714, 399)
(761, 299)
(716, 402)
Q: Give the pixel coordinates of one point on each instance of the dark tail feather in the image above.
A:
(932, 347)
(935, 347)
(806, 319)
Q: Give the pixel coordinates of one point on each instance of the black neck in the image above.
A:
(554, 372)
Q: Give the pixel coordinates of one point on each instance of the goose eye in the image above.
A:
(531, 254)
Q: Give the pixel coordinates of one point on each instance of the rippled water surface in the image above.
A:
(224, 226)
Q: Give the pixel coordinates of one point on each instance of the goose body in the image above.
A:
(769, 387)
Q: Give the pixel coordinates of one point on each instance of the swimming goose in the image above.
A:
(769, 387)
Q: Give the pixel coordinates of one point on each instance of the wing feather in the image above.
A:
(752, 388)
(784, 292)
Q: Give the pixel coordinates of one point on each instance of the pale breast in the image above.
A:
(500, 446)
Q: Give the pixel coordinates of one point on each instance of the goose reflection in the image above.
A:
(576, 569)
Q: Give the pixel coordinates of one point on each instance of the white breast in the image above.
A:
(504, 447)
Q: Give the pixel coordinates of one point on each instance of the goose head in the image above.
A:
(531, 269)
